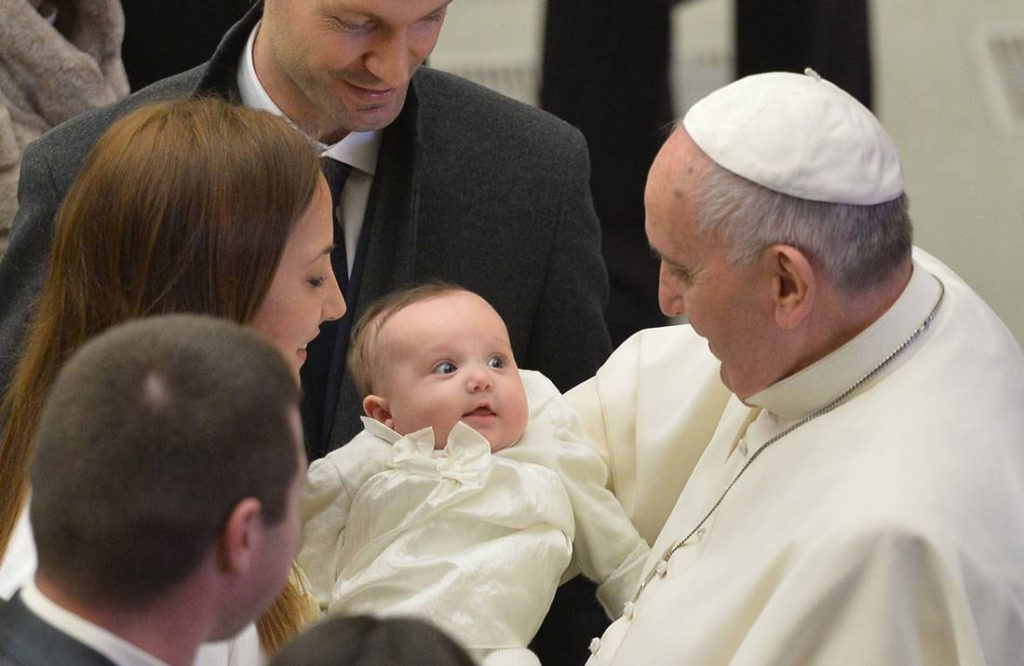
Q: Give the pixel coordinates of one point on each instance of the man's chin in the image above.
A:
(358, 115)
(371, 118)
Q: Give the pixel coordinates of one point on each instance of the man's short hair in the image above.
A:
(859, 246)
(365, 359)
(154, 431)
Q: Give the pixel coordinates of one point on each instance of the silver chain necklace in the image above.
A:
(662, 566)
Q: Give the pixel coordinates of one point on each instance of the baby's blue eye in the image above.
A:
(444, 368)
(496, 362)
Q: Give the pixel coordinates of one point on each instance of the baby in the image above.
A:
(470, 491)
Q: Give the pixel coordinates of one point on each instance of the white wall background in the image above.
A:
(938, 92)
(962, 157)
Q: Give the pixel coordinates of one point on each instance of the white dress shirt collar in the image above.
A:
(357, 149)
(99, 639)
(825, 380)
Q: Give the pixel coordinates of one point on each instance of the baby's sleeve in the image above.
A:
(331, 483)
(607, 547)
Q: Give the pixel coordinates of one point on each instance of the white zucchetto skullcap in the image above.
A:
(800, 135)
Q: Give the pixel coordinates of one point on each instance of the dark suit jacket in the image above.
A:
(26, 640)
(470, 187)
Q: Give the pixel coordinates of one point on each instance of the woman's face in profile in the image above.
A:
(304, 292)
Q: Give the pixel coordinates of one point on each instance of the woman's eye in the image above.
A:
(444, 368)
(317, 281)
(496, 362)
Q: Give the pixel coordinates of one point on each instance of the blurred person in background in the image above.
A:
(153, 47)
(58, 58)
(605, 70)
(833, 37)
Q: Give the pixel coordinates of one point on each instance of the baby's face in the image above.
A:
(449, 359)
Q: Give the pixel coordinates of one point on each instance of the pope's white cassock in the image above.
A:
(889, 530)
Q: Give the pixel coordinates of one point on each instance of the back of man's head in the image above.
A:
(153, 433)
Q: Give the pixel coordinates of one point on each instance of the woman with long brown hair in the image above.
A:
(184, 206)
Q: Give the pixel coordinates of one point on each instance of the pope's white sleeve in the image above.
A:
(606, 548)
(586, 400)
(650, 412)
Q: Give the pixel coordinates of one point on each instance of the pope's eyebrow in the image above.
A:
(658, 255)
(674, 265)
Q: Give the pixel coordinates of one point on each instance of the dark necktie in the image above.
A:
(320, 353)
(336, 174)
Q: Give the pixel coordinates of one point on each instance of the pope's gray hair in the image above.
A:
(858, 245)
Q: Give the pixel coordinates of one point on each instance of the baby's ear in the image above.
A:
(376, 408)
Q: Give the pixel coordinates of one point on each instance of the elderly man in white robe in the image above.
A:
(852, 447)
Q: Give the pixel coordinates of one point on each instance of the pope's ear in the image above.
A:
(376, 408)
(794, 285)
